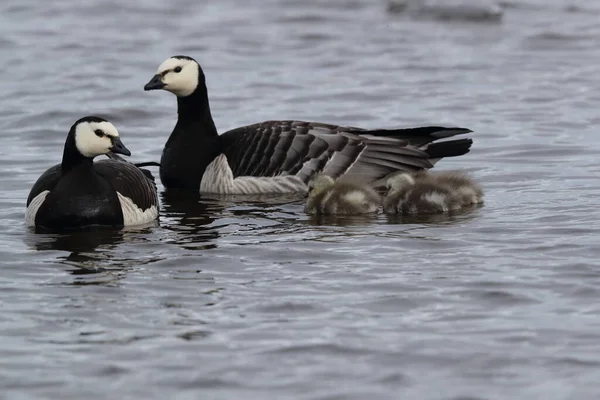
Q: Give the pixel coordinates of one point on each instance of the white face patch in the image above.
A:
(90, 143)
(182, 83)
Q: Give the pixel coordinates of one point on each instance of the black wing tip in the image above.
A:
(435, 132)
(458, 130)
(450, 148)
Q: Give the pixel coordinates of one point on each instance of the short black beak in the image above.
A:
(155, 83)
(119, 148)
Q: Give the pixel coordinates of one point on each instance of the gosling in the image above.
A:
(328, 197)
(427, 193)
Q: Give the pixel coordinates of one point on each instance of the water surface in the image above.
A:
(256, 299)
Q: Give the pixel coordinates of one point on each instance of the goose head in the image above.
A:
(94, 136)
(178, 75)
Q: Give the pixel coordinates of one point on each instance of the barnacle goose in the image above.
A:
(427, 193)
(79, 192)
(281, 156)
(328, 197)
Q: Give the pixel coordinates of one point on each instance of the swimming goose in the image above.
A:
(326, 196)
(80, 192)
(426, 193)
(281, 156)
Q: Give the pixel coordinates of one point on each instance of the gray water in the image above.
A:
(231, 300)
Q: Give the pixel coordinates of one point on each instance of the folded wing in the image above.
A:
(279, 148)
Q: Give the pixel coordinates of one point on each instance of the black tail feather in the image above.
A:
(422, 134)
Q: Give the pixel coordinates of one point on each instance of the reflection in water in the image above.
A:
(81, 241)
(457, 216)
(93, 250)
(343, 220)
(257, 199)
(193, 216)
(197, 220)
(262, 205)
(453, 217)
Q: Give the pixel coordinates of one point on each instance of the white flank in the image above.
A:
(133, 215)
(218, 179)
(34, 206)
(438, 199)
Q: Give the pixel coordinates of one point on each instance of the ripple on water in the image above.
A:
(251, 297)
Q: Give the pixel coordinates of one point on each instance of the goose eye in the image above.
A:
(99, 132)
(177, 69)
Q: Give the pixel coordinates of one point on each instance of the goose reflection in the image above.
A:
(94, 250)
(188, 219)
(195, 221)
(82, 241)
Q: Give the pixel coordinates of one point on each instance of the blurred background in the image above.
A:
(229, 299)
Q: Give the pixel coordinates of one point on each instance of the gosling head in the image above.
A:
(95, 136)
(400, 181)
(178, 75)
(319, 184)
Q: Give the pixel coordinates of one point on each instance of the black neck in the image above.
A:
(195, 110)
(72, 157)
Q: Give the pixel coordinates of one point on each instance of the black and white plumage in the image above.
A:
(281, 156)
(79, 192)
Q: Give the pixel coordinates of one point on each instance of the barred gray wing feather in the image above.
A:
(279, 148)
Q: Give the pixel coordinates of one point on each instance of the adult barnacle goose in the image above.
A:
(281, 156)
(80, 192)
